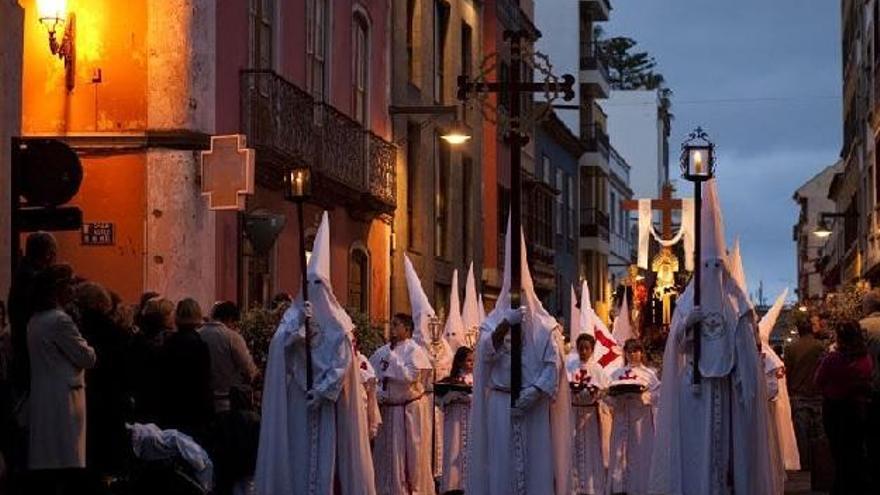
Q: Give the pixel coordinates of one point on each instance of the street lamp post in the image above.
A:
(515, 88)
(297, 189)
(697, 166)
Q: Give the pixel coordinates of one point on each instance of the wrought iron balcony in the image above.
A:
(594, 223)
(285, 125)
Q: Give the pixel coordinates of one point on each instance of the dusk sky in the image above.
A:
(763, 77)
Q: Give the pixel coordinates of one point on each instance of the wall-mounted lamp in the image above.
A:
(457, 134)
(53, 14)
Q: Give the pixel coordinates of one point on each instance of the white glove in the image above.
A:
(527, 399)
(307, 310)
(695, 317)
(514, 316)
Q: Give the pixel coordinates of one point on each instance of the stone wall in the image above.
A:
(180, 230)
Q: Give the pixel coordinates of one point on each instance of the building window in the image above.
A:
(262, 37)
(441, 26)
(358, 280)
(545, 168)
(613, 212)
(441, 198)
(572, 204)
(466, 171)
(317, 47)
(467, 57)
(413, 144)
(413, 31)
(359, 79)
(560, 197)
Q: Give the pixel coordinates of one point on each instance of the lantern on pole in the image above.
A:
(697, 166)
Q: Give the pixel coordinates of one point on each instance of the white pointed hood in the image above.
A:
(470, 313)
(623, 330)
(482, 308)
(454, 331)
(319, 263)
(325, 307)
(587, 315)
(608, 353)
(574, 318)
(765, 326)
(421, 309)
(714, 246)
(736, 266)
(723, 299)
(534, 308)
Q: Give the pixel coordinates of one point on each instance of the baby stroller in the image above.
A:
(167, 462)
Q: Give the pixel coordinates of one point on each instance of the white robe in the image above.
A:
(588, 466)
(403, 444)
(632, 436)
(538, 455)
(371, 402)
(780, 410)
(456, 408)
(303, 451)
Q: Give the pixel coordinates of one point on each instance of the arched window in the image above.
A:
(360, 74)
(359, 280)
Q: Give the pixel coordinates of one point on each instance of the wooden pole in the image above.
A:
(305, 290)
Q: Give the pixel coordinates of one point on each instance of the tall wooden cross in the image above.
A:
(666, 205)
(515, 88)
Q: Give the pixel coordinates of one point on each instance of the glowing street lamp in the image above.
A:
(53, 14)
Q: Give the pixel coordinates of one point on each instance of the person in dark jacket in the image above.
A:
(106, 436)
(145, 359)
(844, 379)
(234, 442)
(40, 253)
(187, 401)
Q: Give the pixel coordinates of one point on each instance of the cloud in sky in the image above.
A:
(764, 79)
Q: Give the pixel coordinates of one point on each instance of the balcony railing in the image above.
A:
(286, 125)
(597, 140)
(591, 60)
(594, 223)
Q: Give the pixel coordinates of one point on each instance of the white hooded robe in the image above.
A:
(303, 450)
(531, 454)
(710, 437)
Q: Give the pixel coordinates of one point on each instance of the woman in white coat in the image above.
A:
(632, 434)
(59, 355)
